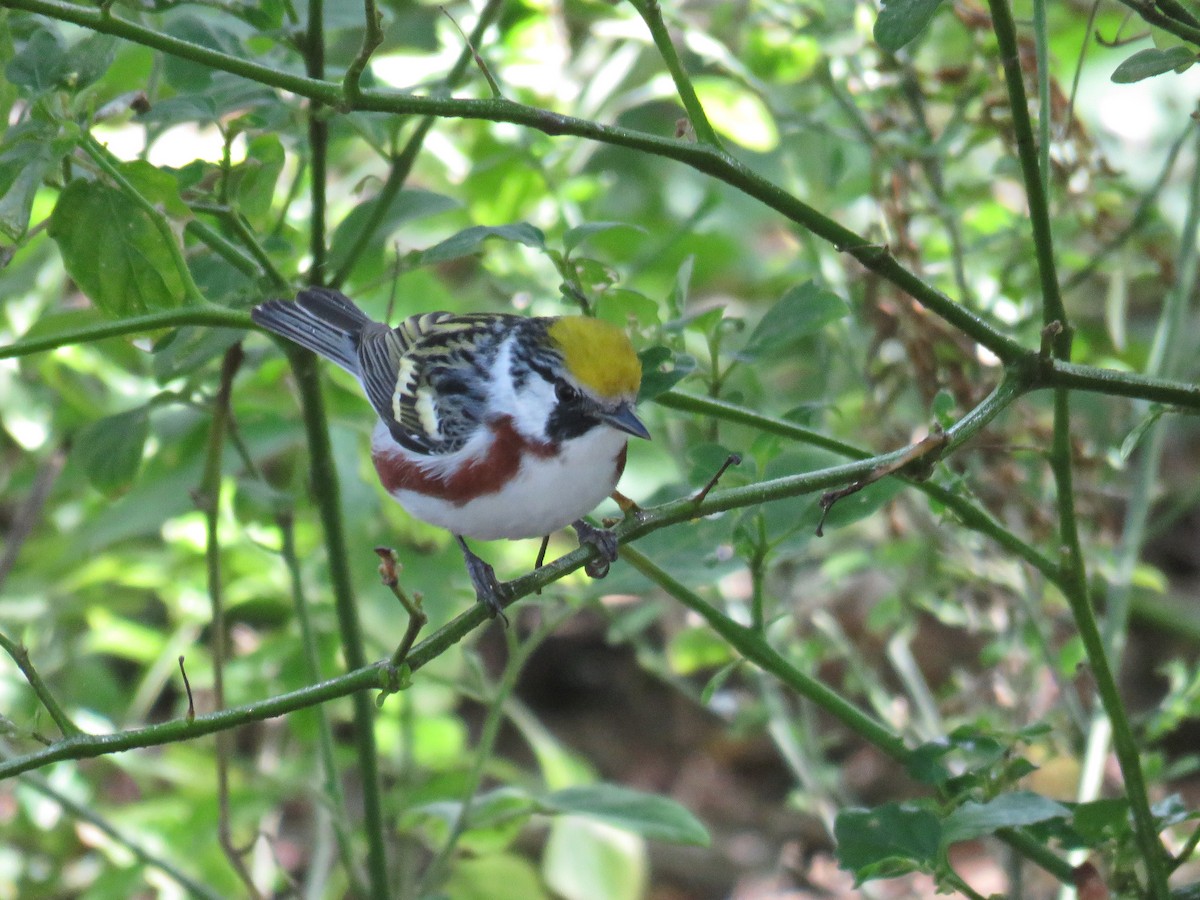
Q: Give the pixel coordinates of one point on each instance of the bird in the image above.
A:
(490, 425)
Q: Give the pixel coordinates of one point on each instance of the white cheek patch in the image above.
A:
(532, 414)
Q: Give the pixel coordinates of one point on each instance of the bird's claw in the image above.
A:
(605, 543)
(489, 590)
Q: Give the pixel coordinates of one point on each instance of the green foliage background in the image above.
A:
(846, 252)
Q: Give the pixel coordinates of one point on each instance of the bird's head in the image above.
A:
(587, 374)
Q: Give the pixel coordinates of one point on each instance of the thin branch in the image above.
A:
(263, 265)
(215, 316)
(20, 655)
(1074, 582)
(318, 140)
(372, 38)
(970, 515)
(473, 55)
(753, 645)
(225, 249)
(1122, 384)
(651, 14)
(208, 498)
(1035, 185)
(1154, 16)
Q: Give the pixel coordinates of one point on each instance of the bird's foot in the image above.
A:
(489, 590)
(605, 543)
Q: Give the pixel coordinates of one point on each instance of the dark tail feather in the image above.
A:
(321, 320)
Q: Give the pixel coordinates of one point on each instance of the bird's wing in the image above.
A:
(428, 377)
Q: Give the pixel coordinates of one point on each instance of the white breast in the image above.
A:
(544, 496)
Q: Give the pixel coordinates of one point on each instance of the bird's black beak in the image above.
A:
(624, 419)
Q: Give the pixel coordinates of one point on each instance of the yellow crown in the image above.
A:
(598, 355)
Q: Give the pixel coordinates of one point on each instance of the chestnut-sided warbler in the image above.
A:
(490, 425)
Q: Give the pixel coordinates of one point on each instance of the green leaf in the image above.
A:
(585, 859)
(649, 815)
(972, 820)
(30, 151)
(696, 649)
(1100, 820)
(42, 64)
(470, 240)
(257, 176)
(494, 877)
(90, 59)
(188, 76)
(580, 233)
(110, 450)
(678, 298)
(1152, 61)
(943, 408)
(158, 186)
(888, 840)
(620, 305)
(1140, 430)
(186, 349)
(406, 206)
(738, 113)
(115, 251)
(718, 680)
(800, 313)
(662, 370)
(900, 21)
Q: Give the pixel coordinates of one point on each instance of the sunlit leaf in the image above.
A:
(585, 859)
(738, 113)
(115, 251)
(494, 877)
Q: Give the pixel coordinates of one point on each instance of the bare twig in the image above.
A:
(389, 574)
(733, 459)
(20, 655)
(915, 461)
(187, 686)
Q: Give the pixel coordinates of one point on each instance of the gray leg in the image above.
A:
(488, 590)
